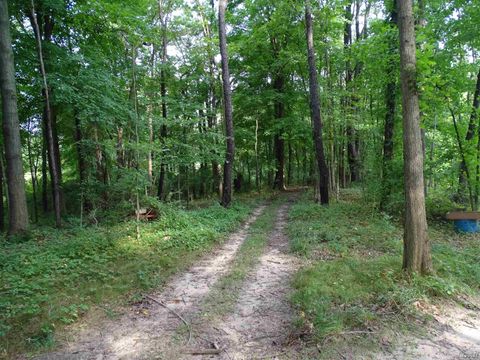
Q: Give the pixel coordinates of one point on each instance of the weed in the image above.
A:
(361, 285)
(55, 277)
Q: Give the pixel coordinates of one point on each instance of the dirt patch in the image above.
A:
(260, 326)
(146, 331)
(453, 334)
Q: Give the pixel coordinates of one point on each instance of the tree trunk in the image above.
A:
(278, 141)
(227, 103)
(390, 104)
(44, 172)
(315, 112)
(462, 179)
(163, 94)
(33, 173)
(279, 147)
(2, 206)
(257, 172)
(352, 150)
(82, 166)
(17, 202)
(416, 255)
(53, 160)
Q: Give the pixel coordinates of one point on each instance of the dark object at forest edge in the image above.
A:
(147, 214)
(464, 221)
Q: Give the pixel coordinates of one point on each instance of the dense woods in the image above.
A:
(122, 104)
(113, 109)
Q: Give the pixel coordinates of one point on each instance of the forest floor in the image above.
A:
(249, 299)
(233, 304)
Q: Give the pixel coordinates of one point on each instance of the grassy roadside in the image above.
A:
(58, 276)
(355, 285)
(224, 295)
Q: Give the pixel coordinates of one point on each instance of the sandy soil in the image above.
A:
(147, 330)
(260, 326)
(453, 334)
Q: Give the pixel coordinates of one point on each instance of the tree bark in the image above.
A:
(227, 103)
(416, 255)
(352, 148)
(163, 94)
(278, 141)
(2, 205)
(82, 166)
(279, 148)
(53, 160)
(390, 105)
(17, 202)
(44, 173)
(33, 174)
(257, 169)
(472, 124)
(315, 111)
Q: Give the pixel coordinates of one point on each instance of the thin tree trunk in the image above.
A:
(33, 174)
(352, 150)
(163, 94)
(279, 146)
(257, 175)
(315, 111)
(472, 124)
(2, 206)
(137, 144)
(278, 141)
(17, 202)
(227, 102)
(150, 121)
(49, 127)
(289, 165)
(82, 166)
(462, 156)
(416, 255)
(390, 104)
(44, 172)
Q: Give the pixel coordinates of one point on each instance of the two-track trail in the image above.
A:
(260, 325)
(256, 328)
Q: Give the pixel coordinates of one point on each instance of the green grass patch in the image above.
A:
(56, 276)
(355, 281)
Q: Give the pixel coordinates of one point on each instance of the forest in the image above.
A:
(256, 179)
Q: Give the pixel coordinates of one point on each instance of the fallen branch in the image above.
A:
(174, 313)
(356, 332)
(203, 351)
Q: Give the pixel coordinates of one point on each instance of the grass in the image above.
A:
(55, 277)
(224, 295)
(355, 281)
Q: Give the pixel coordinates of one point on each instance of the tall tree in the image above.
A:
(17, 202)
(416, 255)
(353, 154)
(390, 105)
(463, 179)
(227, 104)
(315, 110)
(53, 153)
(163, 7)
(279, 114)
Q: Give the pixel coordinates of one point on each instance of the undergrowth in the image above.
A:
(54, 277)
(355, 282)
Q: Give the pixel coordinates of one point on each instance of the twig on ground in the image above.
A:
(203, 351)
(174, 313)
(356, 332)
